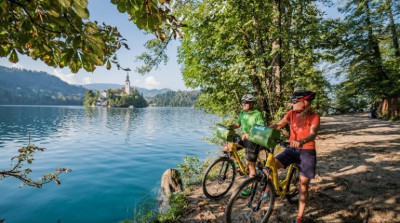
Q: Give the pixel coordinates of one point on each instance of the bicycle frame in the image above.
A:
(234, 152)
(280, 186)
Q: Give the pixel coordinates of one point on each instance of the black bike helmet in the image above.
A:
(248, 98)
(303, 95)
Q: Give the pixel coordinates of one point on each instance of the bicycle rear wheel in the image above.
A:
(219, 178)
(292, 190)
(256, 207)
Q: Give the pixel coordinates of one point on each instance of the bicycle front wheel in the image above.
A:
(219, 178)
(252, 201)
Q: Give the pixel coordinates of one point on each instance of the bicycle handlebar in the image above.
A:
(284, 144)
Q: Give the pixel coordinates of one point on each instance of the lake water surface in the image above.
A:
(117, 157)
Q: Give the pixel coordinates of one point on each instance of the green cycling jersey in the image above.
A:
(248, 119)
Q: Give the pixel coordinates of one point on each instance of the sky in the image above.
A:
(166, 76)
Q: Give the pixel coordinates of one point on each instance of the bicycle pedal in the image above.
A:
(240, 172)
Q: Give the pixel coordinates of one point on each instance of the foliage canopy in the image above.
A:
(61, 34)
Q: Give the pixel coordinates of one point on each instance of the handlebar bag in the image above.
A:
(224, 133)
(265, 136)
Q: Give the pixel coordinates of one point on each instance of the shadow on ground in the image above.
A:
(357, 179)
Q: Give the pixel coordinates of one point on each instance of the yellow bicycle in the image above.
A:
(257, 205)
(220, 175)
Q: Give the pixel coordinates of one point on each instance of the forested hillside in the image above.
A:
(39, 88)
(175, 99)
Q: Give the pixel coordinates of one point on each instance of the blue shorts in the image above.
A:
(305, 158)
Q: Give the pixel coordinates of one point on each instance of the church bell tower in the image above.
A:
(127, 85)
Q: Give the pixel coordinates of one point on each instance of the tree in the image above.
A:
(61, 35)
(90, 98)
(26, 157)
(369, 51)
(234, 47)
(175, 99)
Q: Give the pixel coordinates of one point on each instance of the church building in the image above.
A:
(127, 85)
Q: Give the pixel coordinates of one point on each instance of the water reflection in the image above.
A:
(117, 157)
(18, 122)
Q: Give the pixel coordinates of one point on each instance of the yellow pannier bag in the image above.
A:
(265, 136)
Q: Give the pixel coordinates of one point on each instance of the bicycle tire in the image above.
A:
(216, 186)
(251, 208)
(292, 189)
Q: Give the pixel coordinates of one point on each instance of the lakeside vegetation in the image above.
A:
(175, 99)
(117, 98)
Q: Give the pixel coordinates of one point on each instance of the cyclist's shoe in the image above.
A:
(298, 219)
(266, 193)
(246, 192)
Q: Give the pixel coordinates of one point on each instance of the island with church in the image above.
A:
(125, 97)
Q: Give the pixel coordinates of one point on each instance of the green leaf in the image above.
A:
(93, 59)
(108, 67)
(82, 12)
(121, 7)
(13, 57)
(65, 3)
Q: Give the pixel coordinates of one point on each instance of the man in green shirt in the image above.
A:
(247, 118)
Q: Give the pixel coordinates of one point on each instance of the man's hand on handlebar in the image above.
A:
(245, 136)
(233, 126)
(295, 144)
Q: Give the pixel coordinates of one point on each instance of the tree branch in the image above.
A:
(31, 18)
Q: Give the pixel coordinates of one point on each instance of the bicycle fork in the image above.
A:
(226, 164)
(263, 180)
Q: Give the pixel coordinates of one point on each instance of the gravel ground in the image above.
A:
(358, 177)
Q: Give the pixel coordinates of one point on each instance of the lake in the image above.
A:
(117, 157)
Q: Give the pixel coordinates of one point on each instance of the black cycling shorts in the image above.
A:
(306, 158)
(252, 149)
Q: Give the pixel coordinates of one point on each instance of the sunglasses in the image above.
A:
(245, 102)
(295, 101)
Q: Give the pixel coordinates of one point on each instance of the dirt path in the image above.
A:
(358, 176)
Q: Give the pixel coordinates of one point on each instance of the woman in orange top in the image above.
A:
(304, 125)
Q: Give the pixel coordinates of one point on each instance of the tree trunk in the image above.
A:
(382, 75)
(257, 83)
(390, 108)
(393, 30)
(276, 47)
(374, 46)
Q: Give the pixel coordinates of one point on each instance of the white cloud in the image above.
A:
(72, 78)
(17, 66)
(149, 82)
(87, 80)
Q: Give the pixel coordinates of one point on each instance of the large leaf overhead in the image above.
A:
(61, 34)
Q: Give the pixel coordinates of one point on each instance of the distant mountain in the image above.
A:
(40, 88)
(146, 92)
(101, 87)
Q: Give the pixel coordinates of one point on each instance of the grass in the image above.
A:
(177, 206)
(191, 171)
(150, 214)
